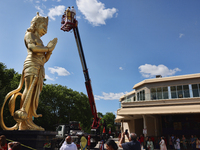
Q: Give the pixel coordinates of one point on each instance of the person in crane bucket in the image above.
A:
(68, 15)
(69, 19)
(73, 13)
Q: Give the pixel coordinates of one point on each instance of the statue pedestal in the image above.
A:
(31, 139)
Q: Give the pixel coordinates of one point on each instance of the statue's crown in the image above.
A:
(39, 19)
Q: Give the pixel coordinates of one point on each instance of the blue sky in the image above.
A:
(124, 42)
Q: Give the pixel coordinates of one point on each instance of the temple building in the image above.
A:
(162, 106)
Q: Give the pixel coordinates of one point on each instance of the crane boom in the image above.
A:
(88, 85)
(69, 22)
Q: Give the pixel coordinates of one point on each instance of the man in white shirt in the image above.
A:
(68, 144)
(73, 11)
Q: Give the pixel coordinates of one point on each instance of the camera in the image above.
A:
(126, 132)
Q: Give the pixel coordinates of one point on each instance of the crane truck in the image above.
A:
(73, 129)
(69, 23)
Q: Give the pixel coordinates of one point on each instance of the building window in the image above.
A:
(180, 91)
(195, 90)
(141, 95)
(159, 93)
(186, 91)
(134, 98)
(129, 98)
(173, 91)
(138, 96)
(165, 93)
(153, 93)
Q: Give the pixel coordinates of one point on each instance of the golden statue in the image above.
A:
(33, 75)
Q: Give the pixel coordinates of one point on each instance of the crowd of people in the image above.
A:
(135, 143)
(172, 143)
(184, 143)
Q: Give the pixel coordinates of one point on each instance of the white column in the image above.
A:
(190, 90)
(122, 126)
(169, 92)
(122, 129)
(144, 123)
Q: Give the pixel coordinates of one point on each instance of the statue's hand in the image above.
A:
(51, 45)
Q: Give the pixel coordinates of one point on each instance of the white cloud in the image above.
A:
(181, 35)
(44, 0)
(95, 11)
(37, 1)
(58, 0)
(48, 78)
(149, 70)
(56, 11)
(120, 68)
(59, 70)
(109, 96)
(41, 11)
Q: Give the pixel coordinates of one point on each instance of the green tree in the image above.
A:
(100, 115)
(109, 118)
(9, 80)
(58, 104)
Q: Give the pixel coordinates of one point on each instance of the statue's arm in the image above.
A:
(51, 45)
(47, 56)
(31, 45)
(37, 49)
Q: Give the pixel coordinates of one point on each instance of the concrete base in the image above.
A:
(31, 139)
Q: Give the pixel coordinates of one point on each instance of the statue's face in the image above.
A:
(42, 29)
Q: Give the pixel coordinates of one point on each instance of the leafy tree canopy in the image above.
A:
(107, 121)
(58, 104)
(9, 80)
